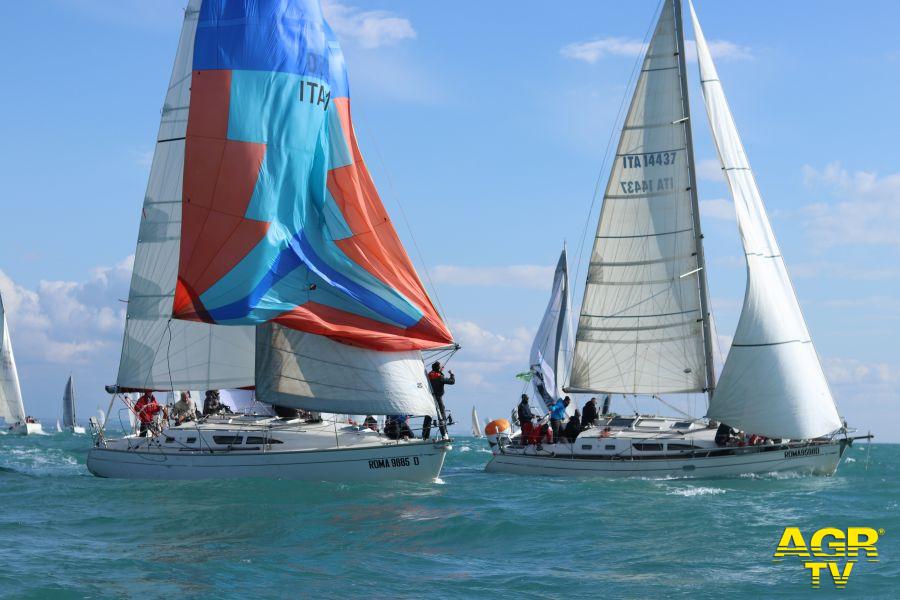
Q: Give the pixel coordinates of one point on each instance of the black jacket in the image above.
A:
(438, 381)
(573, 428)
(524, 412)
(589, 414)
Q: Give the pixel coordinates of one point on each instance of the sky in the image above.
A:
(485, 125)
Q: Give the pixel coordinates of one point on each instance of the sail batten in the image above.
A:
(645, 271)
(772, 382)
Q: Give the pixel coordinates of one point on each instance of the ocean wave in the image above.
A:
(695, 491)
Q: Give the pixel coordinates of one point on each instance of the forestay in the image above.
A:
(11, 407)
(159, 352)
(550, 350)
(641, 325)
(772, 382)
(68, 419)
(309, 371)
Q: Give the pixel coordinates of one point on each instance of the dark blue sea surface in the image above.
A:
(66, 534)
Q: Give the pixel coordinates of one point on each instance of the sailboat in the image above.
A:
(476, 426)
(12, 409)
(68, 420)
(645, 327)
(266, 260)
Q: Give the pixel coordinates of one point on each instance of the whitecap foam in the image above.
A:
(849, 460)
(695, 491)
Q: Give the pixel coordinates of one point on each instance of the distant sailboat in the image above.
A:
(645, 327)
(266, 260)
(69, 420)
(476, 426)
(12, 409)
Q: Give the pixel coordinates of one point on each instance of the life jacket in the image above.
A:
(146, 408)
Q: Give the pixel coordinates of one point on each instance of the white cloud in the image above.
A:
(842, 371)
(594, 50)
(865, 210)
(488, 359)
(710, 169)
(599, 48)
(367, 28)
(718, 209)
(523, 276)
(66, 322)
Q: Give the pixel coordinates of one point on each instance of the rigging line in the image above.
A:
(396, 197)
(619, 116)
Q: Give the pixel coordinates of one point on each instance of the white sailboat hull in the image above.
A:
(304, 452)
(27, 429)
(813, 459)
(76, 429)
(421, 461)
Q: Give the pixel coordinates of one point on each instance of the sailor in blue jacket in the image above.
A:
(558, 415)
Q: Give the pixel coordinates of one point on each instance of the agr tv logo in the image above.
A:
(837, 551)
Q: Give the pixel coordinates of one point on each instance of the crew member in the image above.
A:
(573, 428)
(590, 414)
(146, 409)
(438, 381)
(558, 415)
(184, 410)
(523, 411)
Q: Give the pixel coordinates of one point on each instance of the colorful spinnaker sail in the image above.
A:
(281, 221)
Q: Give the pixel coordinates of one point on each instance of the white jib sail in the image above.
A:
(158, 352)
(550, 350)
(476, 426)
(68, 419)
(312, 372)
(640, 330)
(772, 382)
(11, 407)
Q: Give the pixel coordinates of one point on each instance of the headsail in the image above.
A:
(11, 407)
(159, 352)
(550, 350)
(68, 419)
(641, 328)
(772, 382)
(282, 221)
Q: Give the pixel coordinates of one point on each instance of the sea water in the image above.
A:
(67, 534)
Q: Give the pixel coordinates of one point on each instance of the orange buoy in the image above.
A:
(497, 426)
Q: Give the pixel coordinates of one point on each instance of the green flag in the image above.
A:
(525, 375)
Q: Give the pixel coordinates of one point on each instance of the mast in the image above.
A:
(695, 204)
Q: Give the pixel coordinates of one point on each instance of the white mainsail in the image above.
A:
(312, 372)
(11, 407)
(476, 426)
(159, 352)
(68, 419)
(643, 318)
(549, 352)
(772, 382)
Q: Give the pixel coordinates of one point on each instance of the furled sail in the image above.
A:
(282, 222)
(11, 407)
(772, 382)
(641, 328)
(316, 373)
(159, 352)
(68, 419)
(549, 352)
